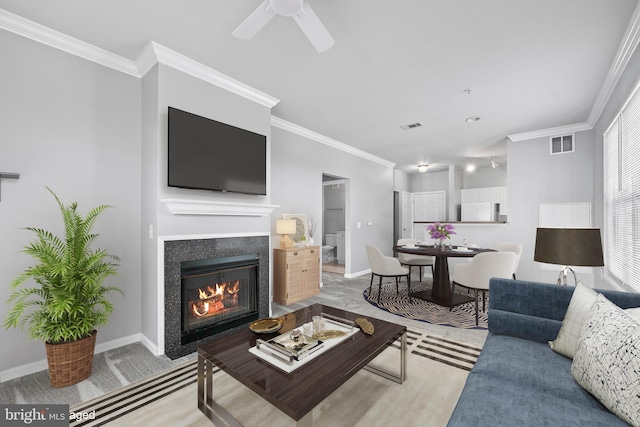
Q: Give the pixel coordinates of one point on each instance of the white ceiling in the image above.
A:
(530, 65)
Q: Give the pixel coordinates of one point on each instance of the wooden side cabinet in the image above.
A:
(296, 274)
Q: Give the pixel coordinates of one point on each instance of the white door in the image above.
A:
(407, 208)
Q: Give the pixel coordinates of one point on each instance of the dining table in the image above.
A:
(440, 292)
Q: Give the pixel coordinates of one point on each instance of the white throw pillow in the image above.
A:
(579, 307)
(607, 359)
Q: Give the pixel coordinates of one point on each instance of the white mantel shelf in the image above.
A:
(206, 207)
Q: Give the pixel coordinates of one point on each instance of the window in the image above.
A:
(562, 144)
(622, 196)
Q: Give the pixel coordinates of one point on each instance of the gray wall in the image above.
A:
(74, 126)
(163, 87)
(537, 177)
(333, 218)
(297, 167)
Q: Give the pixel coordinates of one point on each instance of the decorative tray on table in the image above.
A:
(266, 326)
(295, 344)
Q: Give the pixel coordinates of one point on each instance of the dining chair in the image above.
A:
(477, 273)
(411, 260)
(386, 266)
(516, 248)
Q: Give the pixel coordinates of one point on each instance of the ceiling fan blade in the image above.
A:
(313, 29)
(255, 22)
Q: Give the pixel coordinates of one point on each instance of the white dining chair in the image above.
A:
(386, 266)
(476, 274)
(516, 248)
(411, 260)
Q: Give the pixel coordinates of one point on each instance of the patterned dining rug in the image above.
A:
(437, 368)
(462, 316)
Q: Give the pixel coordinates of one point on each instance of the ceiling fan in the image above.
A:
(299, 10)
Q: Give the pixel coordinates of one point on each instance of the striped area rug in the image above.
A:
(115, 407)
(462, 316)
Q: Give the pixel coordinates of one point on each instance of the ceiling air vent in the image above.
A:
(411, 126)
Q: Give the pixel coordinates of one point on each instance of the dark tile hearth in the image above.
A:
(178, 251)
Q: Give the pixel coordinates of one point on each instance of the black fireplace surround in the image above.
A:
(181, 253)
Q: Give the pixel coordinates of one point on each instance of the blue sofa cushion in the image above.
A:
(517, 382)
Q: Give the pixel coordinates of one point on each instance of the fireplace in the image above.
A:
(192, 269)
(218, 294)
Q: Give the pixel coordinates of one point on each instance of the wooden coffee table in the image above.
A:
(297, 393)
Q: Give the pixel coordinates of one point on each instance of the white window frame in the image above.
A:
(621, 168)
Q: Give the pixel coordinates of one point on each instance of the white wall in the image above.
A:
(74, 126)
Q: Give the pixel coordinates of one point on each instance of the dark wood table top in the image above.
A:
(299, 392)
(431, 250)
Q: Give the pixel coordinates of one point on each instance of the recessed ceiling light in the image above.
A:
(471, 167)
(422, 168)
(472, 119)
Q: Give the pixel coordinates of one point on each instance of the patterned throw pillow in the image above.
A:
(607, 359)
(579, 307)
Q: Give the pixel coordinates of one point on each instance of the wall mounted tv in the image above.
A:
(208, 155)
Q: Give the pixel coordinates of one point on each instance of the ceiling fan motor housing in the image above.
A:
(286, 7)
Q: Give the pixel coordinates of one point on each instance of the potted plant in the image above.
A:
(69, 300)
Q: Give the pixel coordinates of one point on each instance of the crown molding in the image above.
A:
(627, 47)
(152, 53)
(555, 131)
(155, 53)
(49, 37)
(306, 133)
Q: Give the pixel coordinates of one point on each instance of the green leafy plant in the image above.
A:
(69, 301)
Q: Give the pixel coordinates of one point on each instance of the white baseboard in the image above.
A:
(41, 365)
(357, 274)
(150, 345)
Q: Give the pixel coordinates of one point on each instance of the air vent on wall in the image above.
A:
(562, 144)
(411, 126)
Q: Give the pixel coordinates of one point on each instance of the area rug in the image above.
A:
(462, 316)
(437, 368)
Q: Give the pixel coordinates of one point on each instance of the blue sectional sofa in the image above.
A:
(518, 380)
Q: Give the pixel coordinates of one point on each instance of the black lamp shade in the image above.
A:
(569, 246)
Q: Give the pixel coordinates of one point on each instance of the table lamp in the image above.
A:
(569, 247)
(285, 227)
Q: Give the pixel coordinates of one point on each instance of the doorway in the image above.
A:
(334, 214)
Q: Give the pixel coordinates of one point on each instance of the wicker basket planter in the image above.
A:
(70, 362)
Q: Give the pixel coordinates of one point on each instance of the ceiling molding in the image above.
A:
(152, 54)
(555, 131)
(304, 132)
(55, 39)
(187, 65)
(627, 47)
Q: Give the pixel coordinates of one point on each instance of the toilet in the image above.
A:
(328, 250)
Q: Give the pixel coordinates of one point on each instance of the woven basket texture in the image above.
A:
(70, 363)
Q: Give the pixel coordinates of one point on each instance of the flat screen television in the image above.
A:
(205, 154)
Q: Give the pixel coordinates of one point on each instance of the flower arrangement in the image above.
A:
(440, 231)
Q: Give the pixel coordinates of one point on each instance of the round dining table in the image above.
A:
(440, 293)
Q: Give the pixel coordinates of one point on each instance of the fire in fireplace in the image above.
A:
(218, 294)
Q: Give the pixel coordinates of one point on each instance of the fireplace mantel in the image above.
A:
(208, 207)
